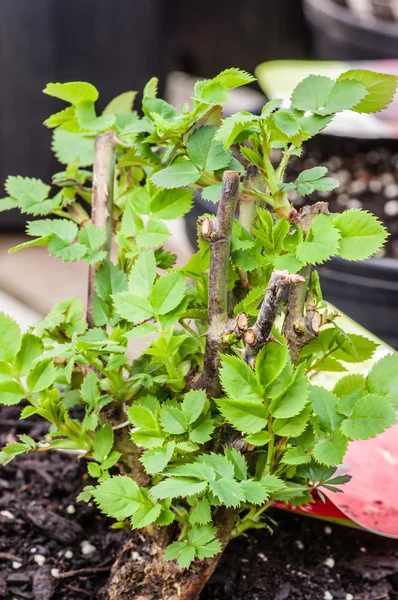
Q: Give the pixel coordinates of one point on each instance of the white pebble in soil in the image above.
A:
(33, 550)
(68, 554)
(363, 549)
(136, 556)
(39, 559)
(87, 548)
(299, 544)
(375, 186)
(70, 509)
(262, 556)
(7, 515)
(55, 573)
(16, 564)
(349, 597)
(391, 190)
(329, 562)
(354, 203)
(327, 595)
(391, 208)
(328, 530)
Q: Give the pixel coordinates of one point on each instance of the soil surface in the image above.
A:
(368, 177)
(53, 548)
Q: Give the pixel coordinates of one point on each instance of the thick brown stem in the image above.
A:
(302, 321)
(257, 336)
(102, 202)
(139, 573)
(218, 233)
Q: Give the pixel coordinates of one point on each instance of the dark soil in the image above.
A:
(368, 177)
(37, 523)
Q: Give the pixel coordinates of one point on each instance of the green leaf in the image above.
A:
(201, 513)
(356, 348)
(141, 331)
(121, 105)
(61, 117)
(348, 389)
(330, 452)
(41, 376)
(205, 152)
(202, 430)
(143, 413)
(362, 234)
(293, 426)
(193, 404)
(383, 379)
(31, 348)
(94, 239)
(239, 381)
(271, 483)
(69, 147)
(344, 95)
(145, 515)
(117, 497)
(167, 293)
(228, 491)
(254, 491)
(380, 87)
(156, 459)
(143, 274)
(102, 443)
(73, 92)
(232, 78)
(324, 403)
(64, 250)
(294, 398)
(295, 456)
(177, 175)
(155, 233)
(238, 461)
(311, 93)
(173, 420)
(11, 392)
(245, 416)
(371, 415)
(287, 122)
(171, 204)
(10, 338)
(177, 487)
(212, 192)
(326, 184)
(109, 280)
(258, 439)
(287, 262)
(311, 174)
(31, 194)
(132, 307)
(321, 243)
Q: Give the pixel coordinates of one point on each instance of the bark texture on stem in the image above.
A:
(247, 203)
(218, 233)
(257, 336)
(102, 202)
(302, 321)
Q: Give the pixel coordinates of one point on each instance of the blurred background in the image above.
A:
(119, 44)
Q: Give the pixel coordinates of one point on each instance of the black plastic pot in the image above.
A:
(366, 291)
(338, 34)
(115, 44)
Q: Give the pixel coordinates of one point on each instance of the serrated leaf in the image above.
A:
(73, 92)
(145, 515)
(171, 204)
(155, 234)
(41, 376)
(344, 95)
(10, 338)
(132, 307)
(325, 184)
(61, 117)
(321, 243)
(64, 250)
(362, 234)
(205, 152)
(94, 239)
(294, 398)
(380, 87)
(311, 174)
(69, 146)
(287, 123)
(293, 426)
(254, 491)
(295, 456)
(193, 404)
(121, 105)
(311, 93)
(102, 443)
(117, 497)
(272, 483)
(203, 429)
(251, 302)
(383, 378)
(109, 280)
(31, 348)
(201, 513)
(356, 348)
(324, 403)
(30, 193)
(212, 192)
(228, 491)
(178, 487)
(246, 416)
(258, 439)
(238, 461)
(156, 459)
(239, 381)
(11, 392)
(232, 78)
(173, 420)
(177, 175)
(167, 293)
(143, 274)
(330, 452)
(371, 415)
